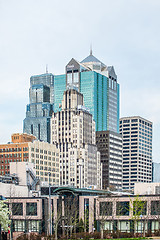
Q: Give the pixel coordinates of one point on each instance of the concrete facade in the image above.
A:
(73, 132)
(137, 150)
(147, 188)
(43, 155)
(110, 147)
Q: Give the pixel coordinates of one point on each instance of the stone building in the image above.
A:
(73, 132)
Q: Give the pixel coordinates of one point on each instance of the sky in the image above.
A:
(125, 34)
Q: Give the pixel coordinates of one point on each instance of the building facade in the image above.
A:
(109, 145)
(98, 84)
(156, 172)
(73, 132)
(137, 150)
(40, 107)
(147, 188)
(112, 213)
(43, 155)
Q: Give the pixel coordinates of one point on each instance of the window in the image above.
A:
(106, 208)
(17, 209)
(122, 208)
(33, 226)
(69, 78)
(19, 225)
(76, 77)
(31, 209)
(155, 208)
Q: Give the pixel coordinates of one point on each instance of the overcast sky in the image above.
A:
(123, 33)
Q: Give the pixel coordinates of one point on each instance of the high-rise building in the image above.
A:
(137, 150)
(98, 84)
(109, 145)
(25, 148)
(40, 108)
(73, 131)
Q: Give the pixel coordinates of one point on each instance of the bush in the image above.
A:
(157, 233)
(95, 235)
(81, 235)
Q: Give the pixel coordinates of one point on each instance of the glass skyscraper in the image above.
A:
(40, 108)
(96, 81)
(98, 84)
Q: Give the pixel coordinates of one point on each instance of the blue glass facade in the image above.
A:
(59, 88)
(100, 91)
(93, 86)
(40, 108)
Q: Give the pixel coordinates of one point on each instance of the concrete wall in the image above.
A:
(12, 190)
(145, 188)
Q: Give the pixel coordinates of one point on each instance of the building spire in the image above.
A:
(91, 49)
(46, 68)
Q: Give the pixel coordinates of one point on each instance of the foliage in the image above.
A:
(138, 207)
(81, 225)
(4, 215)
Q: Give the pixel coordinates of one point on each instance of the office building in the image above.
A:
(43, 155)
(73, 132)
(98, 84)
(40, 108)
(109, 145)
(137, 150)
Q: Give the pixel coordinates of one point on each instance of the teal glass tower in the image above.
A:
(98, 84)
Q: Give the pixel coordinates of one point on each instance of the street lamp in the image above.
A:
(50, 214)
(141, 224)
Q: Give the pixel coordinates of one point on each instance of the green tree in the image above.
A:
(4, 215)
(138, 207)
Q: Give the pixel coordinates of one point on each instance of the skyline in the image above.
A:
(123, 35)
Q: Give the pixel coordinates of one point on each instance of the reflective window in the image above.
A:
(69, 78)
(76, 77)
(17, 209)
(31, 209)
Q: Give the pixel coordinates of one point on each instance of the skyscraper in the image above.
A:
(73, 131)
(98, 84)
(40, 108)
(137, 150)
(109, 145)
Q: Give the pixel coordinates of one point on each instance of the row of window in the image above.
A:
(31, 209)
(13, 149)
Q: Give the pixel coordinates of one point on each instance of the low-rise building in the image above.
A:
(24, 148)
(147, 188)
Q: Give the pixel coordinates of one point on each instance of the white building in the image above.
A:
(73, 131)
(137, 150)
(147, 188)
(45, 157)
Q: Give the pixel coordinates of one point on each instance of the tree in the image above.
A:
(138, 207)
(4, 215)
(105, 210)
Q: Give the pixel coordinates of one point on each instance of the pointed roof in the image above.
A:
(92, 58)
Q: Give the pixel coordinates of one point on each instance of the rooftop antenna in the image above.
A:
(91, 49)
(46, 68)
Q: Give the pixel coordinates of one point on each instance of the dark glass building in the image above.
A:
(40, 107)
